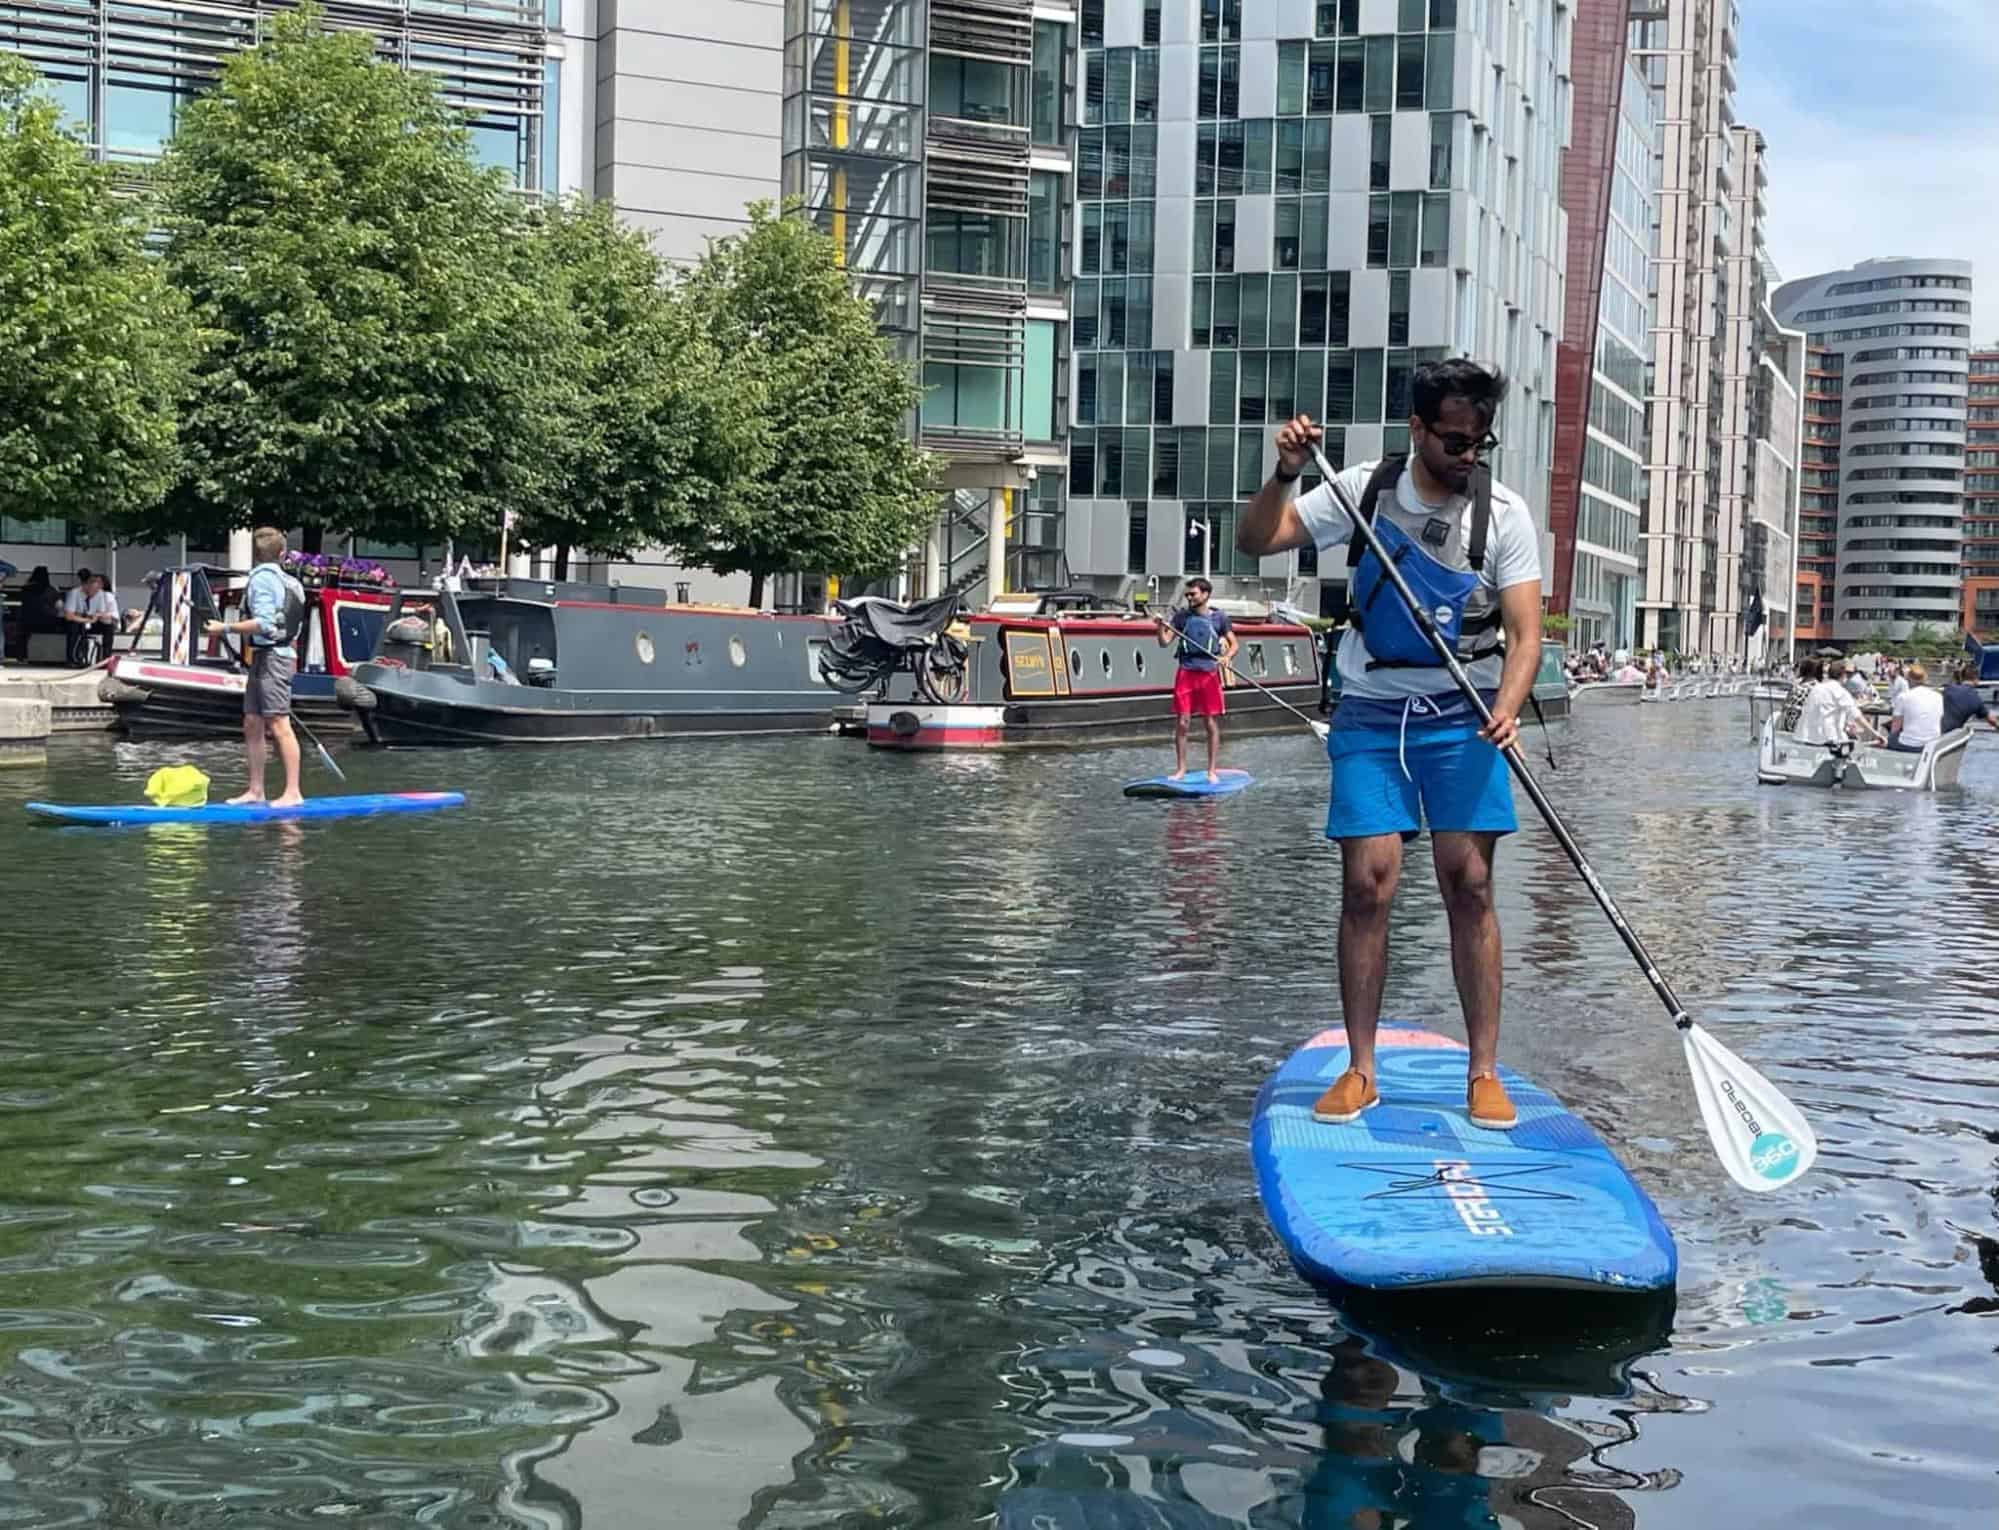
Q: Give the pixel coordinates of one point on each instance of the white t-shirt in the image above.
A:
(1899, 688)
(1921, 712)
(1827, 709)
(101, 606)
(1512, 556)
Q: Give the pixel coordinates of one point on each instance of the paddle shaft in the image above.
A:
(324, 758)
(1514, 758)
(1311, 722)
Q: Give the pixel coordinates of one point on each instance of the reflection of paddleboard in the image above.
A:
(1194, 784)
(360, 805)
(1413, 1195)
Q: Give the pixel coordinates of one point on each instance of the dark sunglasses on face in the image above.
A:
(1456, 444)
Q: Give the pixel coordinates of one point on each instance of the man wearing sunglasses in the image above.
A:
(1407, 750)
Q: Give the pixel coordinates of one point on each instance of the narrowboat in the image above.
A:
(1060, 677)
(530, 661)
(181, 684)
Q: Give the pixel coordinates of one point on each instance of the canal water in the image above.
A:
(778, 1134)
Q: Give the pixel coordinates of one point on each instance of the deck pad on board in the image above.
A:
(1194, 784)
(1412, 1194)
(364, 804)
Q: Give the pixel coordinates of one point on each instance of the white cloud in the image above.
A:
(1894, 171)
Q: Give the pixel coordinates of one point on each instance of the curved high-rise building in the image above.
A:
(1885, 484)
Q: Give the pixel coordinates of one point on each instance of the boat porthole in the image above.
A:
(738, 654)
(1075, 661)
(1138, 658)
(1105, 655)
(644, 645)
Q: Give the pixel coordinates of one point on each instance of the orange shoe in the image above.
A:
(1489, 1106)
(1352, 1092)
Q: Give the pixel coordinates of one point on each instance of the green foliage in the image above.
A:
(1557, 624)
(371, 358)
(94, 341)
(654, 425)
(833, 481)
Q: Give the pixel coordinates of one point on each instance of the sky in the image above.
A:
(1883, 138)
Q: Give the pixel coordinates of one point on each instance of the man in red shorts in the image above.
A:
(1206, 640)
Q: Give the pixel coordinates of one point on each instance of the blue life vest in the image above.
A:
(1394, 639)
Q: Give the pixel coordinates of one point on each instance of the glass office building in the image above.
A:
(125, 71)
(933, 144)
(1287, 209)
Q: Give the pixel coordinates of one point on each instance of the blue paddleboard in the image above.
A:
(362, 805)
(1412, 1195)
(1194, 784)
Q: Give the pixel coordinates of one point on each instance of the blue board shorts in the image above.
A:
(1398, 768)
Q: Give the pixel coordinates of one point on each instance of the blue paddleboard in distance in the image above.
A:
(1412, 1195)
(1194, 784)
(366, 804)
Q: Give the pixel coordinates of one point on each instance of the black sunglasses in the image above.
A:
(1456, 444)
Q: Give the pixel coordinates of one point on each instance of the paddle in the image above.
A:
(324, 758)
(1311, 722)
(1761, 1138)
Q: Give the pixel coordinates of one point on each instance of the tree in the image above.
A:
(372, 358)
(95, 342)
(654, 424)
(833, 482)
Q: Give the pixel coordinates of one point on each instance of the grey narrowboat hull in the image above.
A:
(629, 667)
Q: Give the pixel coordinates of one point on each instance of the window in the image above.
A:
(1381, 133)
(1221, 20)
(1409, 94)
(1441, 124)
(977, 91)
(1044, 231)
(1048, 82)
(1436, 241)
(1349, 86)
(1290, 79)
(1398, 308)
(1284, 237)
(1135, 539)
(1378, 86)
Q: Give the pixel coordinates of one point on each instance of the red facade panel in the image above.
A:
(1596, 68)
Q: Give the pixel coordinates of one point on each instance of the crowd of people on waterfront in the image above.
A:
(1599, 664)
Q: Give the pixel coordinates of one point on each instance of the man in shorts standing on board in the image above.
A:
(1207, 641)
(274, 610)
(1407, 750)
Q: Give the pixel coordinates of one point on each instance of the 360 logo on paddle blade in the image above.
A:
(1772, 1155)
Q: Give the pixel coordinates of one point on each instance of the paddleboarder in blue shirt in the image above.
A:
(1207, 641)
(1407, 750)
(274, 608)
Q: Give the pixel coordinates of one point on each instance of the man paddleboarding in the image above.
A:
(1207, 641)
(1407, 749)
(274, 611)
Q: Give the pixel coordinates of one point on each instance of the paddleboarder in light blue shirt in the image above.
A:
(1407, 750)
(274, 605)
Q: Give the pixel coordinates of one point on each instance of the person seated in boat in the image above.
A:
(1916, 719)
(1810, 672)
(1408, 750)
(1207, 641)
(1964, 703)
(1630, 674)
(90, 611)
(1830, 714)
(1855, 682)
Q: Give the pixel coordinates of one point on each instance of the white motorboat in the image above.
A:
(1609, 693)
(1783, 759)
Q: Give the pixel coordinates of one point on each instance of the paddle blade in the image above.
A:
(1322, 730)
(1762, 1139)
